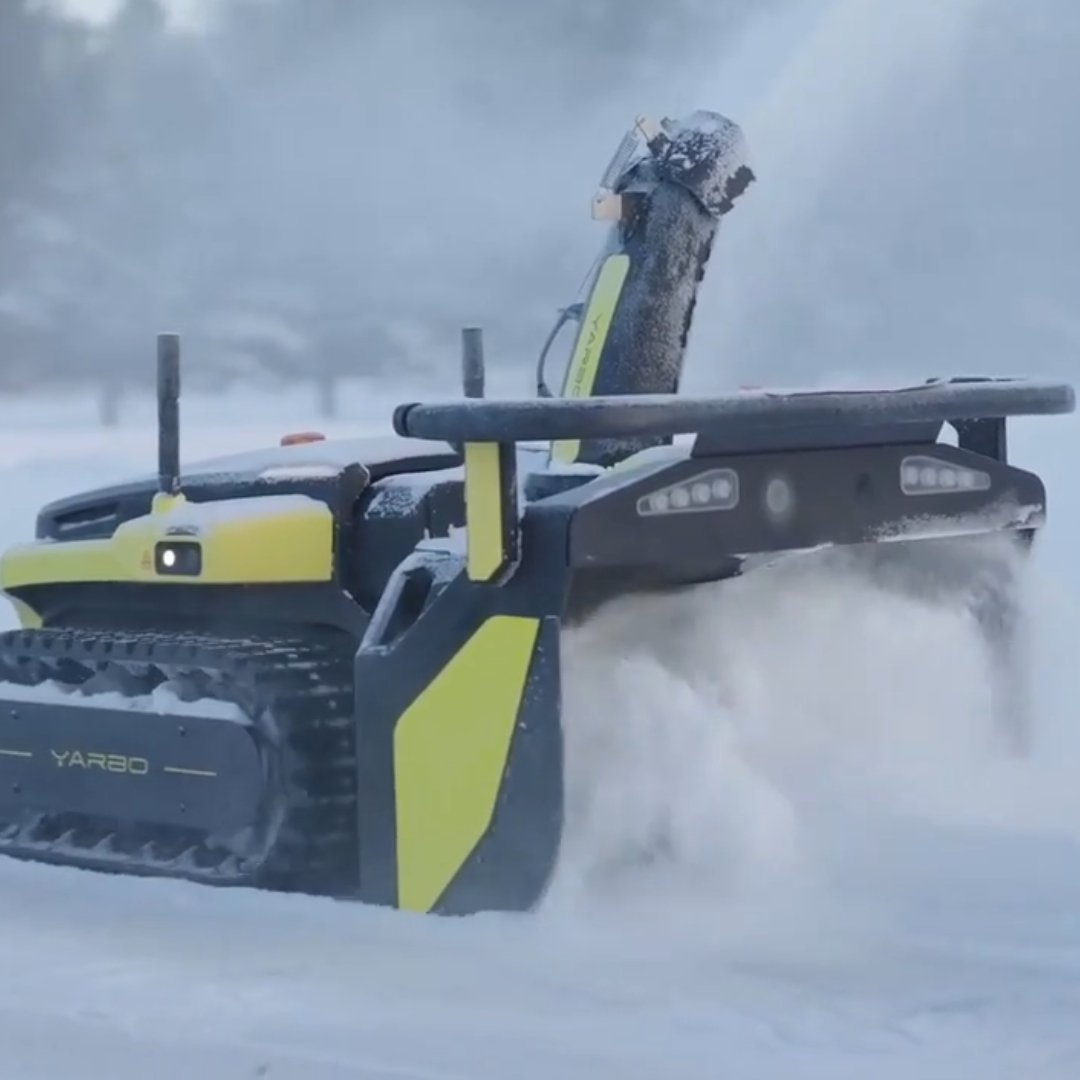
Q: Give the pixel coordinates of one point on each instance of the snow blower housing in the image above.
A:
(334, 667)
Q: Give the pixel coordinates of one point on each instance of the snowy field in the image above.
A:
(863, 886)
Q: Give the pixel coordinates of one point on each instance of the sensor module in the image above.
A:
(178, 558)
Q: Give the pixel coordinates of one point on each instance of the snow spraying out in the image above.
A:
(758, 745)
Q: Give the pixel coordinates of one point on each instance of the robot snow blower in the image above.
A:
(334, 667)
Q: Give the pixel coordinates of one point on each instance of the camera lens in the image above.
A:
(178, 557)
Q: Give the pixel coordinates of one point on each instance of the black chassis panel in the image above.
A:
(195, 771)
(220, 609)
(840, 497)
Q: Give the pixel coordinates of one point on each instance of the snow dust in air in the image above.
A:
(779, 738)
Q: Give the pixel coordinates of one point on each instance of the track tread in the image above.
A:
(298, 692)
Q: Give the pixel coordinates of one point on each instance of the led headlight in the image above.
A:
(181, 558)
(923, 475)
(717, 489)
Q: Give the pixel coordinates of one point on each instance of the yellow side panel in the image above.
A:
(261, 542)
(585, 363)
(450, 750)
(484, 511)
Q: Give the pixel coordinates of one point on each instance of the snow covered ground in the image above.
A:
(863, 886)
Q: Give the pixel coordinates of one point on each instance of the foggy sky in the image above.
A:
(189, 13)
(913, 213)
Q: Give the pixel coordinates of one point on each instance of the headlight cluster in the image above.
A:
(717, 489)
(922, 475)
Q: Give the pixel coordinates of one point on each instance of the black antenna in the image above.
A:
(472, 361)
(168, 395)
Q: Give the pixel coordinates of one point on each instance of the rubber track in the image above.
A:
(298, 692)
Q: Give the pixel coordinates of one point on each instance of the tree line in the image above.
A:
(314, 188)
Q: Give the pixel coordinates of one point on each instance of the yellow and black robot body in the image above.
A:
(333, 667)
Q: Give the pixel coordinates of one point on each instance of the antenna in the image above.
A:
(168, 395)
(472, 361)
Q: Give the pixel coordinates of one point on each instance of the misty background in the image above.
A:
(309, 190)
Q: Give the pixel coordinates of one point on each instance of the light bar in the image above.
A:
(923, 475)
(717, 489)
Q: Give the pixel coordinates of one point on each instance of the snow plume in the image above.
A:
(762, 744)
(863, 82)
(912, 214)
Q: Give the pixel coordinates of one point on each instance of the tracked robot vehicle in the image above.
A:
(334, 667)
